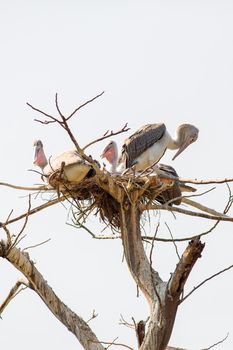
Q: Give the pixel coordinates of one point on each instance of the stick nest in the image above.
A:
(103, 194)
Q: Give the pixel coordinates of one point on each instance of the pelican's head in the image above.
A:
(186, 134)
(110, 152)
(39, 158)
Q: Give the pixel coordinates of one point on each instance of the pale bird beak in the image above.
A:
(35, 155)
(107, 148)
(182, 148)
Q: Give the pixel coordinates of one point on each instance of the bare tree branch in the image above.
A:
(37, 283)
(202, 207)
(55, 120)
(107, 135)
(219, 342)
(184, 211)
(26, 188)
(206, 280)
(116, 344)
(84, 104)
(205, 182)
(12, 294)
(34, 210)
(184, 267)
(36, 245)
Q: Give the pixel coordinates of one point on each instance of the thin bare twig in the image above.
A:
(57, 106)
(184, 211)
(107, 135)
(125, 323)
(202, 207)
(34, 211)
(219, 342)
(27, 188)
(205, 182)
(176, 248)
(206, 280)
(36, 245)
(189, 196)
(12, 294)
(84, 104)
(116, 344)
(24, 225)
(41, 112)
(94, 315)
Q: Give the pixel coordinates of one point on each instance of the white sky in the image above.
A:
(158, 61)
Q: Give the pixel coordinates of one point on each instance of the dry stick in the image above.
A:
(227, 208)
(13, 292)
(202, 207)
(186, 212)
(17, 239)
(206, 280)
(125, 323)
(84, 104)
(176, 249)
(33, 211)
(94, 315)
(34, 188)
(117, 344)
(206, 182)
(46, 114)
(106, 135)
(219, 342)
(36, 245)
(189, 196)
(54, 120)
(57, 106)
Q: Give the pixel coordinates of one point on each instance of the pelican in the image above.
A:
(75, 168)
(147, 146)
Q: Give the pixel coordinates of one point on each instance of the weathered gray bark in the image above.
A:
(163, 297)
(72, 321)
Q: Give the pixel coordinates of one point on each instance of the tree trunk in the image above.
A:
(163, 297)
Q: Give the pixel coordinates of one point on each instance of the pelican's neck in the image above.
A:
(114, 159)
(174, 142)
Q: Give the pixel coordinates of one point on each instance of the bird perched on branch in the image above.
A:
(74, 167)
(147, 146)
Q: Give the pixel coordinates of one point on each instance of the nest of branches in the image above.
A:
(103, 194)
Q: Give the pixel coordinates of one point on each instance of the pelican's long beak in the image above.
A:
(184, 145)
(104, 153)
(35, 154)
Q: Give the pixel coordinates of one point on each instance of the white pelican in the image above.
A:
(75, 167)
(147, 146)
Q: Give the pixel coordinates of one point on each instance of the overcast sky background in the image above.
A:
(157, 61)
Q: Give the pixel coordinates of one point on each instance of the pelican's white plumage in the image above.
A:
(147, 146)
(75, 167)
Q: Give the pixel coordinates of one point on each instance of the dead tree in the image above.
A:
(120, 202)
